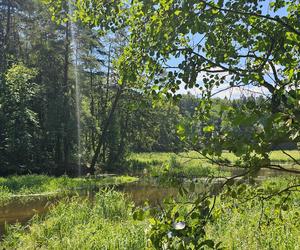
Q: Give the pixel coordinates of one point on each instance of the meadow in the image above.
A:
(194, 158)
(192, 165)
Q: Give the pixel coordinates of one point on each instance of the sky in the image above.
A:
(225, 91)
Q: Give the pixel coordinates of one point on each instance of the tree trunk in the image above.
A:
(8, 23)
(105, 129)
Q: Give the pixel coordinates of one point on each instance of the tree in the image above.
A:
(19, 114)
(34, 41)
(217, 44)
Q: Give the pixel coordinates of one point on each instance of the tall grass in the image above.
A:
(104, 223)
(259, 224)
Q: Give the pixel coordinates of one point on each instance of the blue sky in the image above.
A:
(234, 92)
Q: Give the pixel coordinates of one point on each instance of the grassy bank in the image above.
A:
(195, 158)
(80, 224)
(106, 223)
(187, 165)
(192, 164)
(25, 186)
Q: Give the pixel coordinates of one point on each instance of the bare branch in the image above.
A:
(293, 158)
(275, 73)
(280, 168)
(293, 188)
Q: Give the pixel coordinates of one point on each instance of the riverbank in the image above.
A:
(31, 186)
(191, 164)
(75, 223)
(107, 222)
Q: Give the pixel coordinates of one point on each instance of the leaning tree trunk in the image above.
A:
(105, 129)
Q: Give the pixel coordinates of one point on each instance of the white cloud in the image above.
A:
(225, 90)
(237, 92)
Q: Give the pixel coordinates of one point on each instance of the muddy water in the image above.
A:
(19, 211)
(139, 192)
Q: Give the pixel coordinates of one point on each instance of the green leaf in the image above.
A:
(209, 128)
(209, 243)
(177, 12)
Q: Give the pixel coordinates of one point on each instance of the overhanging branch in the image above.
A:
(244, 13)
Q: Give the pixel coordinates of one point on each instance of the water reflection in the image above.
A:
(21, 211)
(140, 192)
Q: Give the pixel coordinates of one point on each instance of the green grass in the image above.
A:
(105, 223)
(26, 185)
(249, 225)
(191, 164)
(279, 156)
(187, 165)
(155, 158)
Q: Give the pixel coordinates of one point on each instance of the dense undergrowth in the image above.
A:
(24, 186)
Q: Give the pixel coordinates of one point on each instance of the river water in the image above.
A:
(22, 210)
(18, 210)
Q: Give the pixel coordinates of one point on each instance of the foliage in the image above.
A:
(218, 45)
(19, 84)
(154, 127)
(35, 122)
(20, 117)
(116, 74)
(40, 61)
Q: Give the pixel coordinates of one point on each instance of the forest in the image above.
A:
(149, 124)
